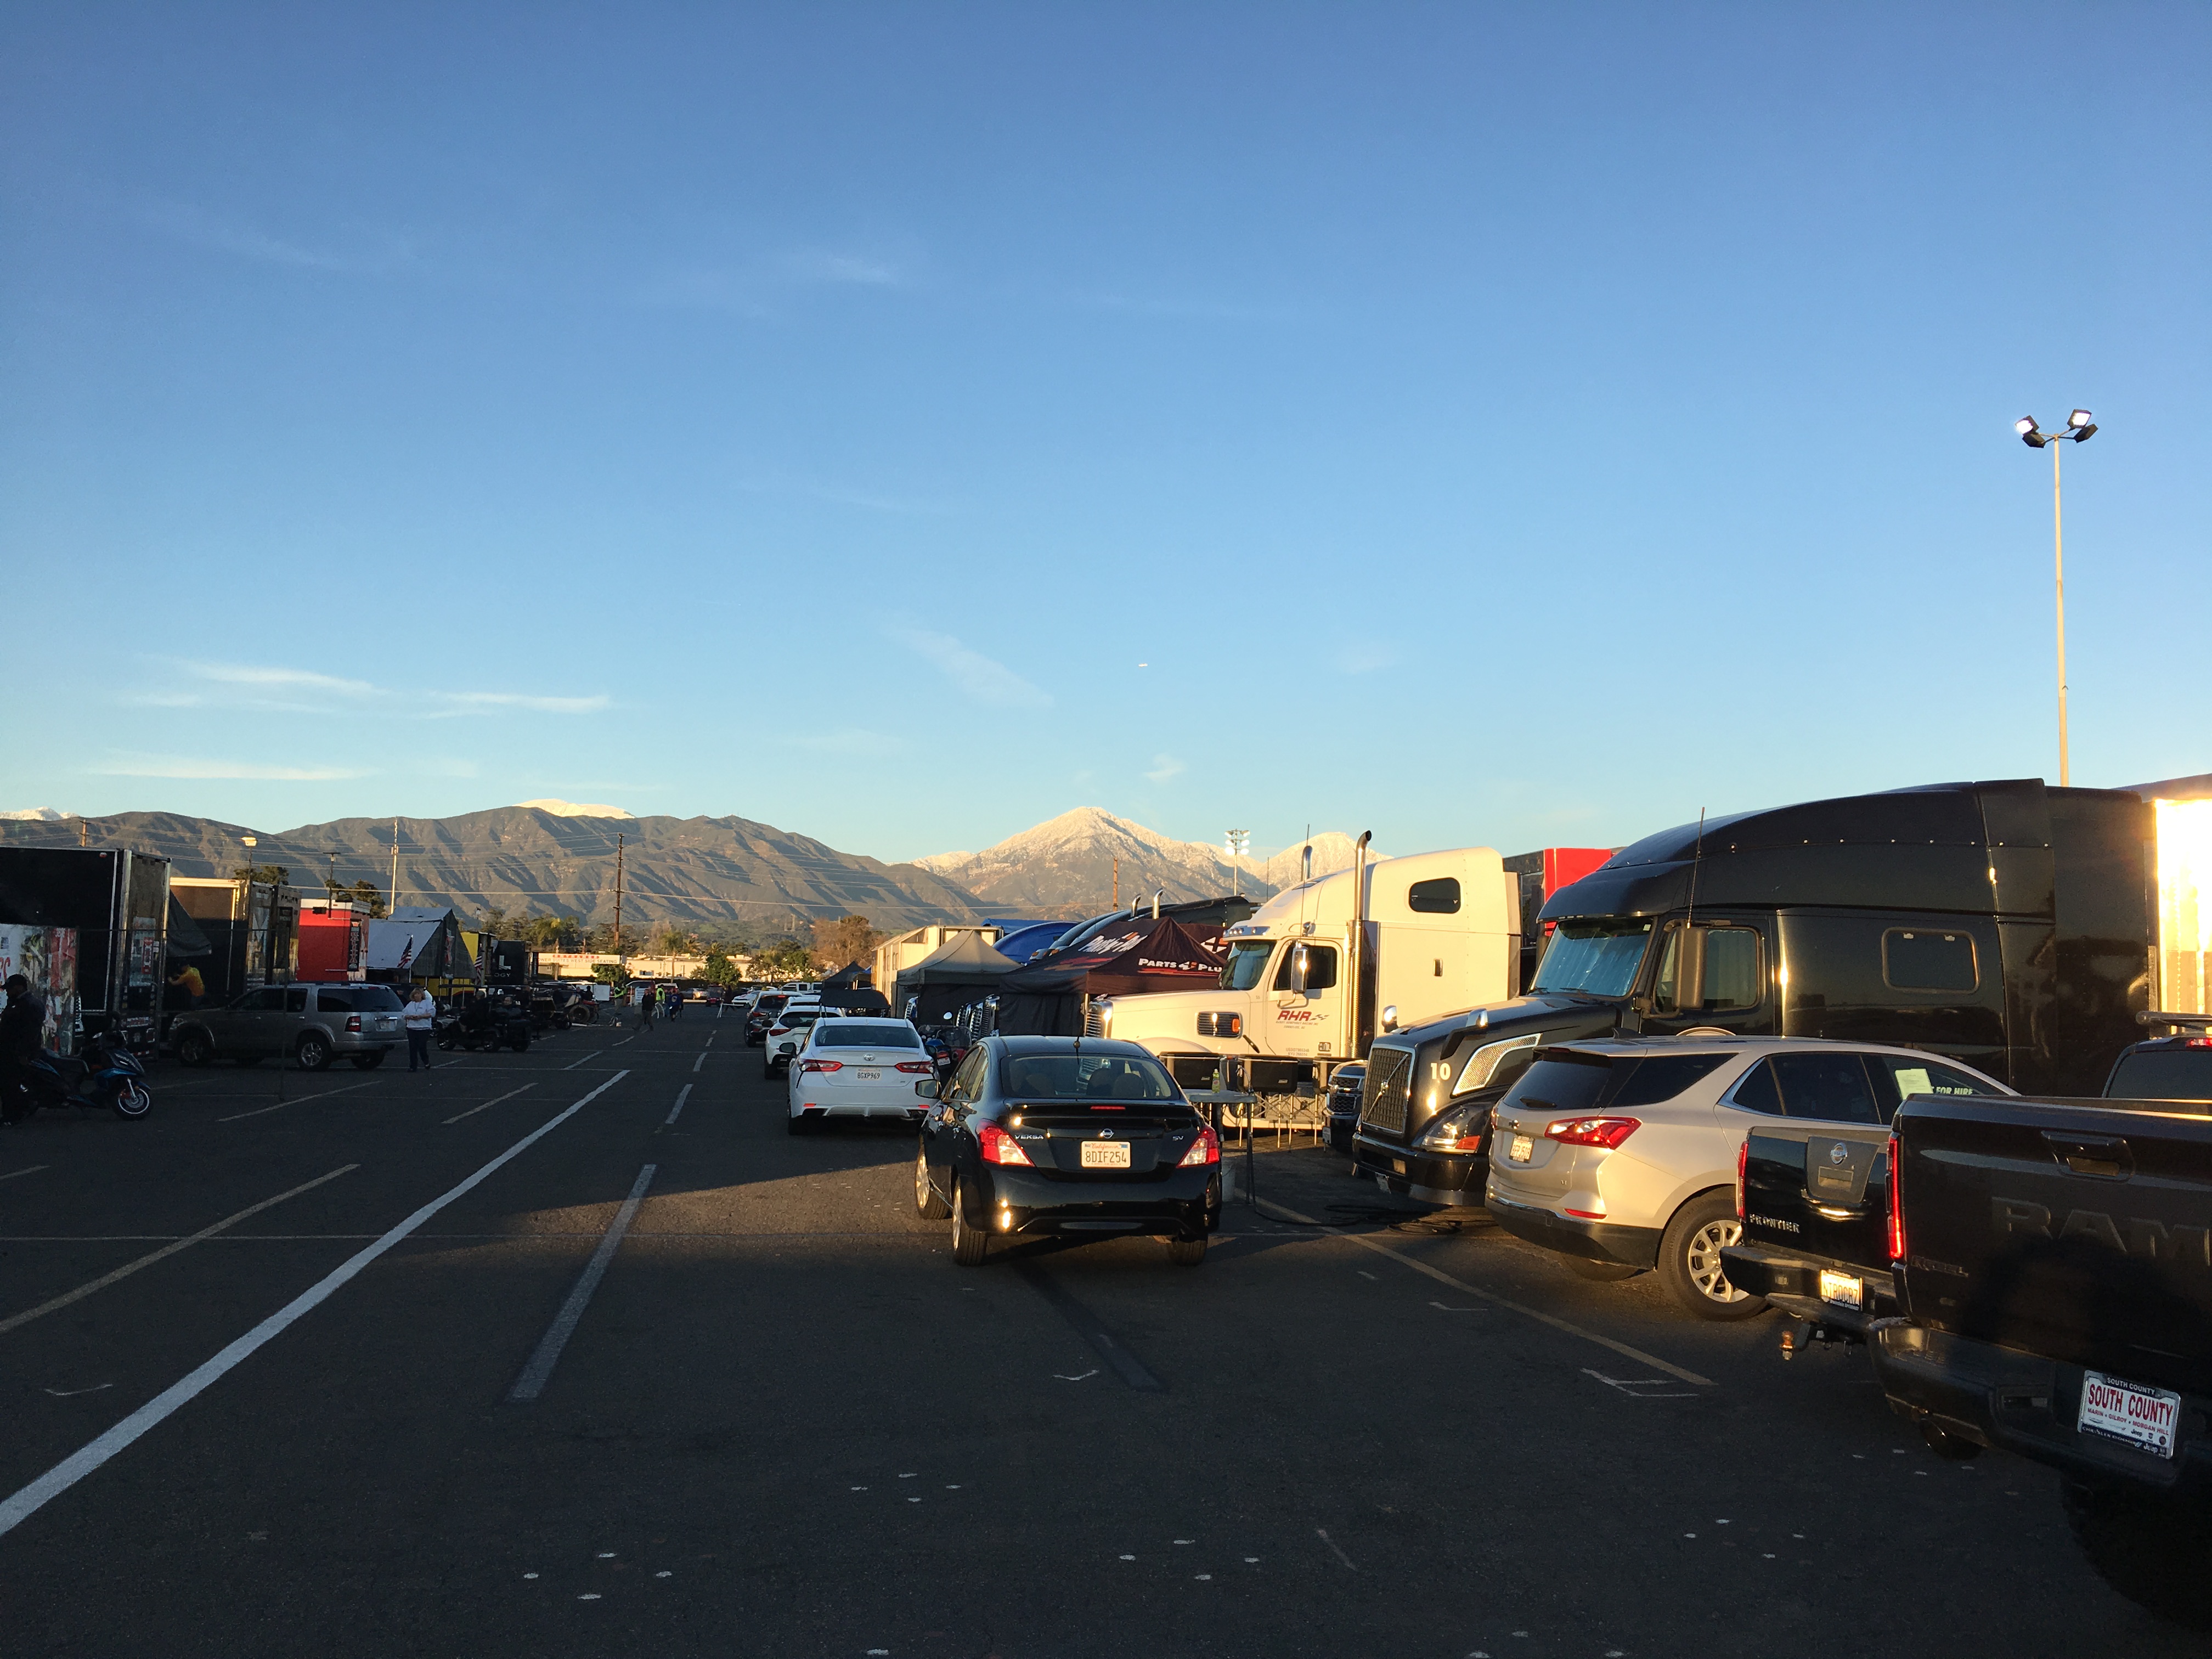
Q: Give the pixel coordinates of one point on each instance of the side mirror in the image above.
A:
(1390, 1017)
(787, 1048)
(926, 1091)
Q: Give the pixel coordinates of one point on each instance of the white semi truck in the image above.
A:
(1416, 938)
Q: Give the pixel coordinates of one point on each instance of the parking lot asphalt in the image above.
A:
(247, 1414)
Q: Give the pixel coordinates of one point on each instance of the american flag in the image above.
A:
(407, 951)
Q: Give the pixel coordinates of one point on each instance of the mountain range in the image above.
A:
(1085, 861)
(557, 857)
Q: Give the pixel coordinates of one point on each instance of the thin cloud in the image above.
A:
(1166, 767)
(817, 265)
(1365, 656)
(971, 672)
(467, 702)
(186, 766)
(378, 252)
(233, 674)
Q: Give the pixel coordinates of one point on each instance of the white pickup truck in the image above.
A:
(1420, 937)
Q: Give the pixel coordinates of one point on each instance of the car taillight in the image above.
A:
(921, 1067)
(353, 1023)
(1742, 1161)
(1606, 1131)
(1896, 1209)
(999, 1147)
(806, 1065)
(1206, 1149)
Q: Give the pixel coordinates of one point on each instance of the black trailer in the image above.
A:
(88, 926)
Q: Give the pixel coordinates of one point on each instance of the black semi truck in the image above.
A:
(87, 927)
(2008, 925)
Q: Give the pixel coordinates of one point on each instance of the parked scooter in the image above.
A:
(107, 1074)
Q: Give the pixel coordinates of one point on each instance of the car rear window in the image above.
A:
(1084, 1077)
(1572, 1082)
(865, 1034)
(2163, 1075)
(357, 1000)
(798, 1016)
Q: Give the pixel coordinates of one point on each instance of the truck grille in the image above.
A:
(1094, 1024)
(1383, 1101)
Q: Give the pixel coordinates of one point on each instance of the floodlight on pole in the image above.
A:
(2078, 429)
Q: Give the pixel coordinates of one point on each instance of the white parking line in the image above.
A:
(580, 1059)
(186, 1243)
(34, 1170)
(701, 1061)
(1537, 1314)
(539, 1370)
(494, 1101)
(677, 1107)
(26, 1502)
(324, 1094)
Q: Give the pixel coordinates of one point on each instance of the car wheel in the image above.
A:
(1690, 1259)
(1187, 1252)
(368, 1062)
(2151, 1550)
(1604, 1273)
(313, 1052)
(928, 1203)
(133, 1100)
(969, 1242)
(195, 1048)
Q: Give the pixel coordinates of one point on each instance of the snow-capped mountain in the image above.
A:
(1065, 866)
(35, 814)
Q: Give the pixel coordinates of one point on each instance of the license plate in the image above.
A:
(870, 1074)
(1523, 1149)
(1844, 1290)
(1105, 1154)
(2144, 1417)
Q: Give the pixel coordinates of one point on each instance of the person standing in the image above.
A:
(420, 1017)
(644, 1008)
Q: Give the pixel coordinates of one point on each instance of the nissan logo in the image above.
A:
(1839, 1154)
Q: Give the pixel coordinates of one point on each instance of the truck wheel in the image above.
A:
(1690, 1259)
(928, 1203)
(969, 1243)
(2151, 1550)
(1604, 1272)
(314, 1052)
(194, 1048)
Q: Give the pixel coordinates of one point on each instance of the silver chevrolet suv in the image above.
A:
(313, 1024)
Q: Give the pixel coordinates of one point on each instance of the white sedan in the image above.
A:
(858, 1068)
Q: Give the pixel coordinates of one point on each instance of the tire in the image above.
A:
(970, 1244)
(2150, 1550)
(313, 1053)
(1601, 1273)
(928, 1203)
(195, 1048)
(1690, 1259)
(132, 1101)
(1187, 1252)
(368, 1062)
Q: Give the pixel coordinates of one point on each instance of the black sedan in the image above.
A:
(1068, 1136)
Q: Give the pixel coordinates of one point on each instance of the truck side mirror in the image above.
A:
(1300, 965)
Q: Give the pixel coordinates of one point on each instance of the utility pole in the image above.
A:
(82, 831)
(1117, 883)
(395, 864)
(618, 886)
(1238, 841)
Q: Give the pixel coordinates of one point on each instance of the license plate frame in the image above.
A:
(1842, 1290)
(1523, 1148)
(1104, 1155)
(2113, 1408)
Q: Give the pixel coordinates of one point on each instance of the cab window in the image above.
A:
(1320, 962)
(1439, 897)
(1720, 975)
(1927, 959)
(1245, 966)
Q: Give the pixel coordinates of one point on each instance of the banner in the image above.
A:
(47, 958)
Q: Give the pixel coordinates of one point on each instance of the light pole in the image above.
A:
(1238, 841)
(2079, 427)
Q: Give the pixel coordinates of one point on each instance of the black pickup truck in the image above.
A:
(2054, 1261)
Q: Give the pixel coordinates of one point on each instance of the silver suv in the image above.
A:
(311, 1023)
(1621, 1154)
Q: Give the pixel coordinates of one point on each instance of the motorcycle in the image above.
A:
(107, 1074)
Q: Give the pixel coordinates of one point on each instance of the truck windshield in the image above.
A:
(1597, 958)
(1246, 966)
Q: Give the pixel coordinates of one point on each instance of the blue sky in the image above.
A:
(901, 424)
